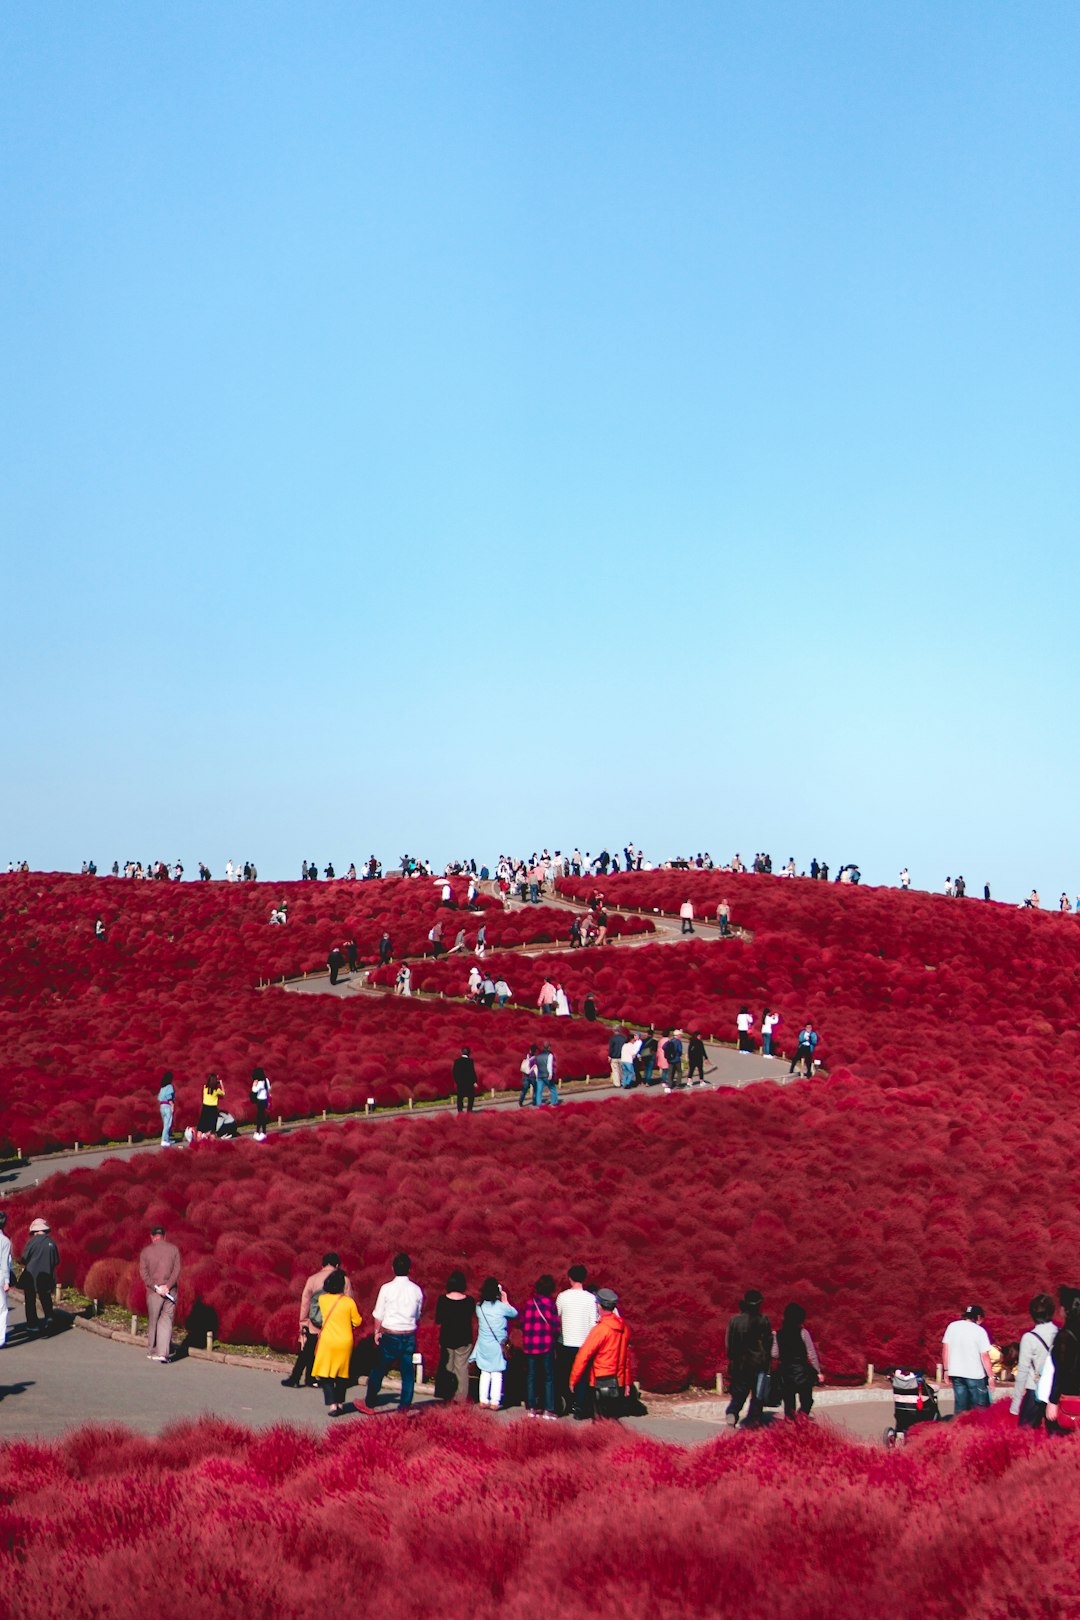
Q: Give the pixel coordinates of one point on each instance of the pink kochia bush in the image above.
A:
(882, 1212)
(455, 1515)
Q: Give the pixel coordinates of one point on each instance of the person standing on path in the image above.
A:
(800, 1369)
(695, 1060)
(545, 1078)
(615, 1046)
(465, 1080)
(605, 1358)
(39, 1261)
(333, 1353)
(166, 1102)
(723, 918)
(965, 1360)
(749, 1353)
(455, 1316)
(540, 1331)
(7, 1276)
(804, 1052)
(627, 1053)
(159, 1268)
(578, 1315)
(335, 962)
(396, 1316)
(673, 1050)
(1035, 1346)
(308, 1332)
(769, 1021)
(213, 1091)
(490, 1353)
(260, 1096)
(528, 1077)
(686, 916)
(546, 999)
(745, 1022)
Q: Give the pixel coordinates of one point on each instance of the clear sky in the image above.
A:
(464, 427)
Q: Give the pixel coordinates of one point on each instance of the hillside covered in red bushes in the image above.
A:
(502, 1521)
(883, 1194)
(87, 1027)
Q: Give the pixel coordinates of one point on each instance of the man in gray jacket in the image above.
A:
(159, 1268)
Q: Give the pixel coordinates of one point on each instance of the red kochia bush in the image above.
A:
(880, 1211)
(84, 1024)
(453, 1514)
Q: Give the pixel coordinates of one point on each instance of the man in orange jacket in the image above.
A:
(606, 1356)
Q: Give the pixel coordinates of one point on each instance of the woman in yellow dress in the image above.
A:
(333, 1352)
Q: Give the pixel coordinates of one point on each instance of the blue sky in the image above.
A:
(458, 428)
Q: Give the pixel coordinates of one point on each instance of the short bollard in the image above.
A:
(134, 1327)
(410, 1105)
(209, 1340)
(418, 1366)
(939, 1373)
(719, 1383)
(869, 1373)
(324, 1113)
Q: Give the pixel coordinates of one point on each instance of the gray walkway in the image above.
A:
(48, 1386)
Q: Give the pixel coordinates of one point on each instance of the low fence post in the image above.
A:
(209, 1340)
(134, 1327)
(939, 1374)
(869, 1373)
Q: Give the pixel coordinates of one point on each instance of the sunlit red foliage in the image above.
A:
(87, 1028)
(882, 1211)
(453, 1513)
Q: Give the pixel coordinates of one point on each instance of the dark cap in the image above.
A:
(608, 1298)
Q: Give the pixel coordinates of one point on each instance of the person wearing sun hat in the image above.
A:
(39, 1261)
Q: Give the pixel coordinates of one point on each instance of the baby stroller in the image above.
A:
(914, 1401)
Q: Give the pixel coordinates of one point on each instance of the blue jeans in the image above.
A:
(627, 1075)
(553, 1095)
(539, 1367)
(534, 893)
(969, 1393)
(766, 1044)
(395, 1349)
(650, 1065)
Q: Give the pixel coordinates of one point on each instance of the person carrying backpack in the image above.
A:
(673, 1051)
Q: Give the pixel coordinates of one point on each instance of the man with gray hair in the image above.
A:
(159, 1268)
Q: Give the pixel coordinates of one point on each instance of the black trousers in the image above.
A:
(698, 1068)
(803, 1054)
(466, 1096)
(37, 1291)
(577, 1400)
(305, 1361)
(334, 1390)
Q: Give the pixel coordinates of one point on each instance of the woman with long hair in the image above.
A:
(797, 1354)
(493, 1314)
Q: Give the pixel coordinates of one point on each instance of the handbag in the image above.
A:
(607, 1385)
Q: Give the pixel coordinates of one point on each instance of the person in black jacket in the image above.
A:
(465, 1080)
(455, 1314)
(695, 1056)
(749, 1352)
(335, 962)
(40, 1260)
(1066, 1356)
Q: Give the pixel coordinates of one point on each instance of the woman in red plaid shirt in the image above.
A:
(540, 1333)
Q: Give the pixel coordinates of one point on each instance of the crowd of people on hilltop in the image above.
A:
(527, 876)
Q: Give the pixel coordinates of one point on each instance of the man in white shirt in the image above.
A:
(578, 1315)
(396, 1315)
(627, 1053)
(5, 1275)
(965, 1357)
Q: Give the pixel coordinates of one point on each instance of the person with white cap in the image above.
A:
(6, 1276)
(39, 1262)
